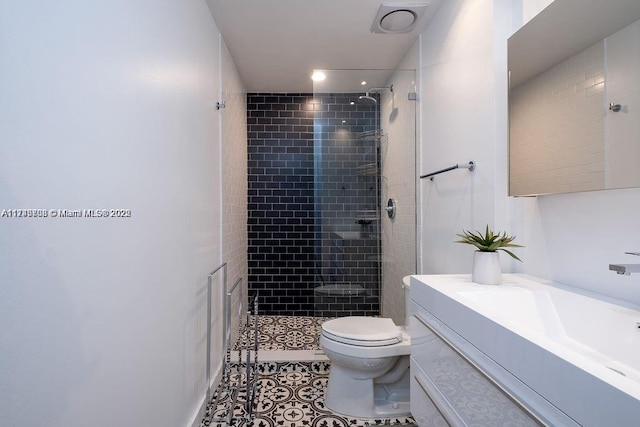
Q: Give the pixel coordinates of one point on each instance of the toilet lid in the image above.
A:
(363, 331)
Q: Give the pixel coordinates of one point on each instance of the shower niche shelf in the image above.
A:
(367, 169)
(367, 215)
(369, 135)
(378, 137)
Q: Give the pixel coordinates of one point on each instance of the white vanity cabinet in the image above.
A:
(449, 389)
(453, 383)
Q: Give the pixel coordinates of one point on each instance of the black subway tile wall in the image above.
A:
(312, 198)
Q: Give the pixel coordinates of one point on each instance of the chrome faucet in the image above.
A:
(626, 269)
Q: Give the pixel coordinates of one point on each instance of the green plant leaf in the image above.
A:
(489, 241)
(510, 253)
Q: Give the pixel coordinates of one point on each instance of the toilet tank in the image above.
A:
(407, 301)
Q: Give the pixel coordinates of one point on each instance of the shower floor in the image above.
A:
(291, 386)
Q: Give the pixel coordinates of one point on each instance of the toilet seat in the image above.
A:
(362, 331)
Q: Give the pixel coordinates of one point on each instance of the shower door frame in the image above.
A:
(348, 236)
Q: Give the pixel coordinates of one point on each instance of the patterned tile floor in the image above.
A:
(286, 333)
(288, 394)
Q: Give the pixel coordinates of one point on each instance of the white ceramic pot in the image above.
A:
(486, 268)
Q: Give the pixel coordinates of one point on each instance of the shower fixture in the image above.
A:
(367, 99)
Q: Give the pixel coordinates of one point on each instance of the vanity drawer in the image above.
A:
(463, 394)
(423, 410)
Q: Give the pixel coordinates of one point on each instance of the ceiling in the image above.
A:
(276, 44)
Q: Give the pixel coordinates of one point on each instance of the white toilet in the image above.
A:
(369, 374)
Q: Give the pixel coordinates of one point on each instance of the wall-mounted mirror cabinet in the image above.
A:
(574, 98)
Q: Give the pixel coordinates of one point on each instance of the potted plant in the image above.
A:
(486, 261)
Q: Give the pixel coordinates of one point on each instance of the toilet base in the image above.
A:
(364, 398)
(390, 402)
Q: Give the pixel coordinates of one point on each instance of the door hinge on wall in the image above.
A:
(220, 105)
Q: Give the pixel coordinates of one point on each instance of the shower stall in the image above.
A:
(317, 177)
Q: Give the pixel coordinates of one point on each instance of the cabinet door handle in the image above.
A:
(440, 402)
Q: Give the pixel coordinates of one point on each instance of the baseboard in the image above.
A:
(199, 415)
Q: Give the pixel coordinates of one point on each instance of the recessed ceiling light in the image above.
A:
(363, 83)
(318, 76)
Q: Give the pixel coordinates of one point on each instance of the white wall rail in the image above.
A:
(223, 268)
(240, 374)
(471, 166)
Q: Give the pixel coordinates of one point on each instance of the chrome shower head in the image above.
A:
(367, 100)
(370, 100)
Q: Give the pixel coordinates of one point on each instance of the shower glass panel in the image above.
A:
(348, 146)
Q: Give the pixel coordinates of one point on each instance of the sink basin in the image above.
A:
(579, 351)
(604, 332)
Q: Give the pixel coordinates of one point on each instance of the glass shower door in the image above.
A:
(350, 146)
(347, 198)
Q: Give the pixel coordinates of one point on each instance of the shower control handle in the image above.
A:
(391, 208)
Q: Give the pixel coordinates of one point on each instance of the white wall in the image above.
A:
(531, 8)
(234, 177)
(572, 239)
(398, 119)
(107, 105)
(463, 118)
(569, 238)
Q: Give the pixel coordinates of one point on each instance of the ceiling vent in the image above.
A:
(395, 18)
